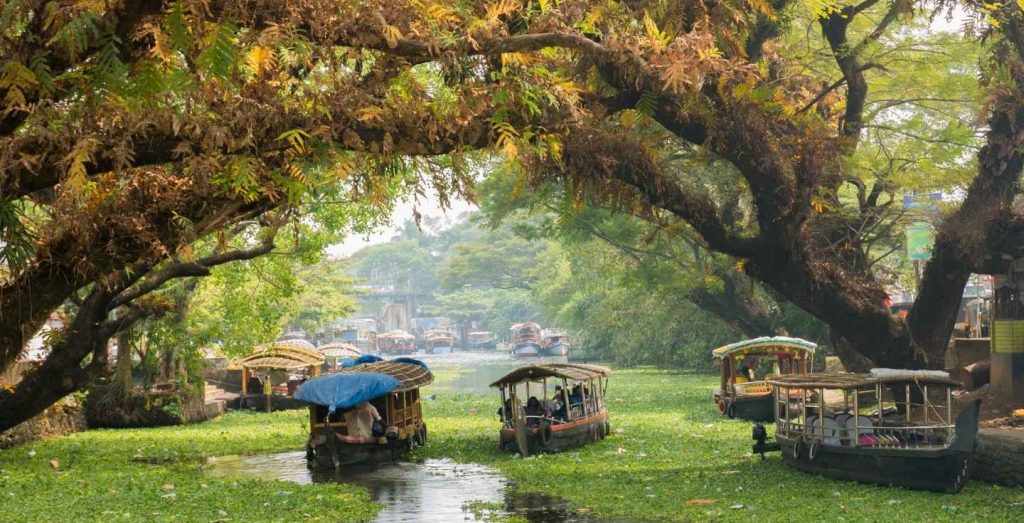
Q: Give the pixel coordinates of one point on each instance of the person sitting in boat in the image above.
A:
(505, 412)
(359, 420)
(534, 411)
(743, 372)
(559, 410)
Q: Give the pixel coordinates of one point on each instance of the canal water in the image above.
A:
(435, 491)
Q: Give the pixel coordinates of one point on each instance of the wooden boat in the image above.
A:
(271, 374)
(482, 340)
(391, 387)
(889, 427)
(574, 416)
(555, 342)
(439, 341)
(743, 392)
(396, 342)
(526, 341)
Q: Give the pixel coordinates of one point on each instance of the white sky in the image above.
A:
(429, 208)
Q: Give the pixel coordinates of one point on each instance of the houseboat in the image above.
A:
(743, 391)
(439, 342)
(482, 340)
(555, 342)
(889, 427)
(569, 412)
(365, 413)
(526, 341)
(396, 342)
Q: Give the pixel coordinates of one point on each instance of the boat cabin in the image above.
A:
(743, 391)
(526, 341)
(370, 411)
(396, 342)
(889, 426)
(439, 341)
(553, 406)
(482, 340)
(272, 373)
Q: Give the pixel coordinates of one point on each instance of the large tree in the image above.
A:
(130, 129)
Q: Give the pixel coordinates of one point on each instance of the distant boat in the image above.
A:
(526, 340)
(555, 342)
(396, 342)
(482, 340)
(439, 341)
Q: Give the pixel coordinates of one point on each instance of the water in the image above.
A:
(436, 491)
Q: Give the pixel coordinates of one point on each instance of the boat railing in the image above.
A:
(904, 437)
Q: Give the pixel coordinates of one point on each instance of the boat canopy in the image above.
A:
(845, 380)
(766, 345)
(397, 334)
(295, 342)
(526, 325)
(282, 355)
(351, 387)
(339, 350)
(572, 371)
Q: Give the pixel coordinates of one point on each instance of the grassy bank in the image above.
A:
(671, 447)
(103, 475)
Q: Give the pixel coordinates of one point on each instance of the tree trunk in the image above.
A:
(62, 372)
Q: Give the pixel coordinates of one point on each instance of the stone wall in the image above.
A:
(63, 418)
(999, 457)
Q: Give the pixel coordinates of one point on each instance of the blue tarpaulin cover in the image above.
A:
(348, 363)
(345, 389)
(368, 358)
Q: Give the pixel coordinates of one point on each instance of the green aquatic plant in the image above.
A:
(156, 475)
(672, 457)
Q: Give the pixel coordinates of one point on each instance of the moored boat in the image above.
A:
(482, 340)
(344, 408)
(889, 427)
(396, 342)
(574, 416)
(555, 342)
(743, 392)
(439, 342)
(526, 341)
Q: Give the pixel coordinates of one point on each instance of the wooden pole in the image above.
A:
(245, 386)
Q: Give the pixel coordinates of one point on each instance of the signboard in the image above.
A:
(920, 239)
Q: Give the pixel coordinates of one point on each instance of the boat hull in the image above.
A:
(564, 436)
(944, 470)
(557, 349)
(528, 350)
(751, 408)
(345, 454)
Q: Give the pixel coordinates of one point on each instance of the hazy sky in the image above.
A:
(430, 208)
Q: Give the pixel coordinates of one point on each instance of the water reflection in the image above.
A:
(436, 491)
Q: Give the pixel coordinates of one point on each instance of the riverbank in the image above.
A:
(672, 457)
(155, 475)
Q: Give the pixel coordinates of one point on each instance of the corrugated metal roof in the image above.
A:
(412, 376)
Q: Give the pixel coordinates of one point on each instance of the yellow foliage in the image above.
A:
(391, 35)
(260, 59)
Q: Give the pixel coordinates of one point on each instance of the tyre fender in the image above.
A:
(798, 448)
(813, 449)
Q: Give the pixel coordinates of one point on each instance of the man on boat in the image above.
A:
(360, 420)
